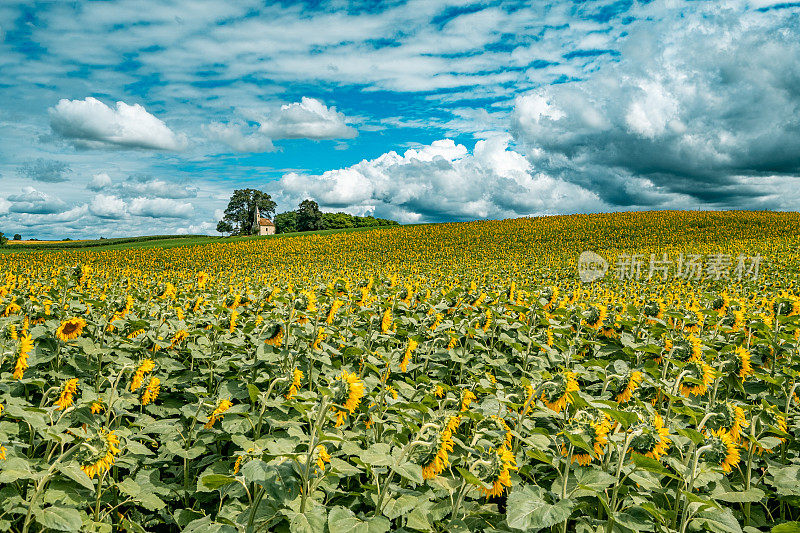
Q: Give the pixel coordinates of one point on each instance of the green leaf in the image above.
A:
(312, 521)
(377, 455)
(527, 511)
(74, 472)
(399, 506)
(59, 518)
(624, 418)
(343, 520)
(787, 527)
(718, 521)
(215, 481)
(749, 495)
(410, 471)
(253, 391)
(207, 525)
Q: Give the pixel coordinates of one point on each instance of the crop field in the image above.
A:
(449, 377)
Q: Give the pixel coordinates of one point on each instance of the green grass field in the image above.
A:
(158, 241)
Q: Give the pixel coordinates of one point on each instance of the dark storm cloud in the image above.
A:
(696, 109)
(46, 170)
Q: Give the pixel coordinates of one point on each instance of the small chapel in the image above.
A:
(263, 225)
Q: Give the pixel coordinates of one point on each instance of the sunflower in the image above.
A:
(502, 463)
(67, 394)
(103, 458)
(276, 336)
(703, 374)
(595, 316)
(151, 391)
(317, 344)
(179, 337)
(25, 347)
(634, 378)
(654, 310)
(559, 392)
(386, 321)
(724, 452)
(412, 345)
(348, 394)
(332, 311)
(232, 321)
(777, 420)
(97, 407)
(729, 417)
(595, 433)
(223, 406)
(438, 391)
(742, 366)
(297, 378)
(466, 399)
(439, 457)
(70, 329)
(322, 458)
(138, 377)
(3, 453)
(436, 321)
(651, 440)
(488, 321)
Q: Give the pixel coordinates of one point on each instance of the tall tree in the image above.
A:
(309, 217)
(224, 227)
(3, 239)
(241, 210)
(286, 222)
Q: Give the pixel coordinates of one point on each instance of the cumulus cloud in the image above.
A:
(697, 110)
(90, 123)
(35, 202)
(144, 185)
(307, 119)
(107, 206)
(443, 181)
(99, 181)
(46, 170)
(235, 136)
(160, 208)
(5, 206)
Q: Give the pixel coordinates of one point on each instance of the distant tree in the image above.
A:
(286, 222)
(3, 239)
(309, 217)
(224, 227)
(241, 210)
(339, 221)
(17, 237)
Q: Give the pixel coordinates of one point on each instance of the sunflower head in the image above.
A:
(651, 438)
(724, 452)
(70, 329)
(558, 392)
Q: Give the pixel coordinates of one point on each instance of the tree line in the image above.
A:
(239, 216)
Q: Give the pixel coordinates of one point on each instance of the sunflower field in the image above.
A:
(451, 377)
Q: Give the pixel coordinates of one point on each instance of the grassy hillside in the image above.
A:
(155, 241)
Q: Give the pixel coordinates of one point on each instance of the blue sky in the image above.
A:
(132, 117)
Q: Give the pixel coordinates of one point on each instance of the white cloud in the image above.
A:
(307, 119)
(232, 135)
(442, 181)
(5, 205)
(99, 182)
(149, 186)
(160, 208)
(107, 206)
(90, 123)
(33, 201)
